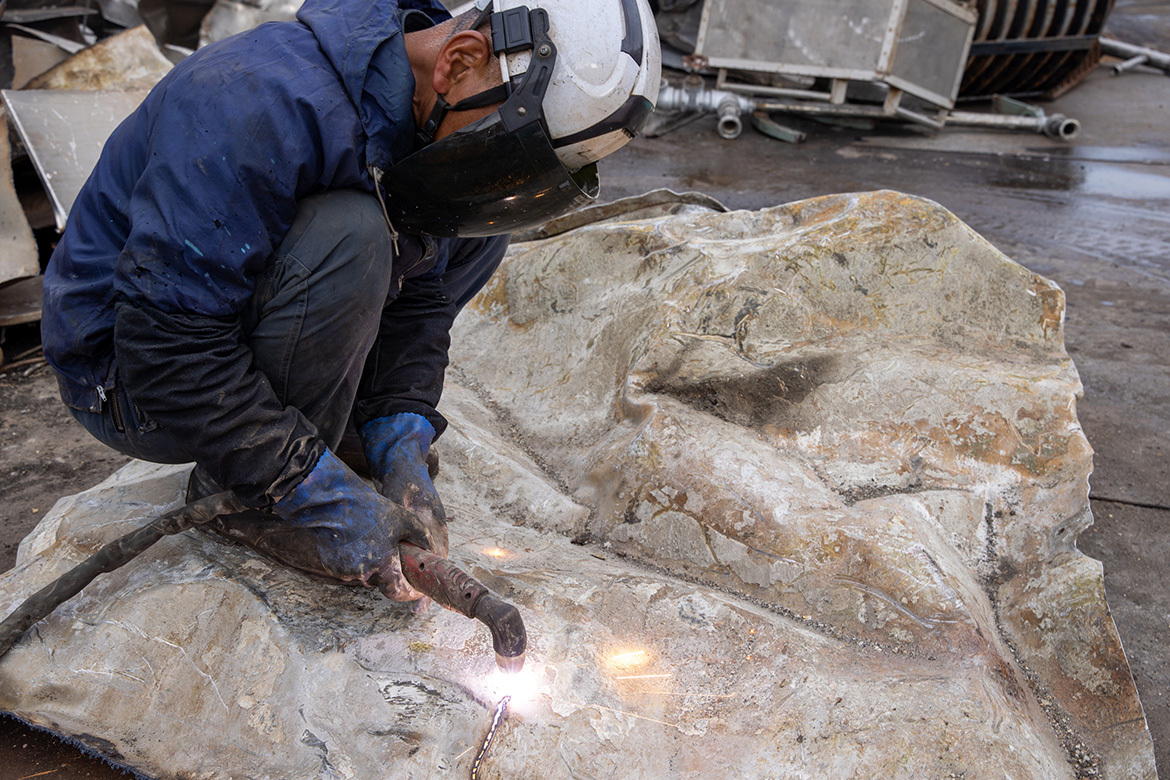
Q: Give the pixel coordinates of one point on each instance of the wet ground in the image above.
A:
(1093, 215)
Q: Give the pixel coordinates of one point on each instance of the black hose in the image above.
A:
(110, 557)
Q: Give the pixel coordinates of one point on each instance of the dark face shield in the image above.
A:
(485, 180)
(500, 174)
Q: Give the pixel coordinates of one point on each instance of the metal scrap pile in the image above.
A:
(865, 61)
(69, 75)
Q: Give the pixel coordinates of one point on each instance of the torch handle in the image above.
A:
(440, 579)
(456, 590)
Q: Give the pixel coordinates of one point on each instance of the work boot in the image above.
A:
(201, 485)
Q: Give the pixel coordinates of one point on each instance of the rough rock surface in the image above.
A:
(130, 60)
(825, 465)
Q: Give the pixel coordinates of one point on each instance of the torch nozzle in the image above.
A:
(455, 589)
(509, 638)
(510, 665)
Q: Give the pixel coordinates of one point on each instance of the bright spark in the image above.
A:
(521, 688)
(632, 715)
(496, 552)
(629, 659)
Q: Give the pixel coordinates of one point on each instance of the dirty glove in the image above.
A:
(336, 525)
(396, 448)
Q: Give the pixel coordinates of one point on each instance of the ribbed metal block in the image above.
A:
(1033, 47)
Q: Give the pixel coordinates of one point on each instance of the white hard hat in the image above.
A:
(608, 71)
(580, 80)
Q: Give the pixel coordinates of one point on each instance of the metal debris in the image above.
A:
(1011, 114)
(128, 60)
(1134, 56)
(694, 97)
(29, 15)
(64, 132)
(915, 47)
(878, 61)
(18, 249)
(65, 44)
(123, 13)
(228, 17)
(1033, 47)
(20, 302)
(31, 57)
(486, 745)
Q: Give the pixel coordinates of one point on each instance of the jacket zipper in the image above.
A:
(115, 410)
(376, 173)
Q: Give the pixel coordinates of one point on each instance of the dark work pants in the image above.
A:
(312, 319)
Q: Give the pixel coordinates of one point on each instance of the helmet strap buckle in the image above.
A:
(488, 97)
(512, 30)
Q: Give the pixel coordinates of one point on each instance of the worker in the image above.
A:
(275, 244)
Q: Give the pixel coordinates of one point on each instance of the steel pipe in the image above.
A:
(694, 97)
(730, 125)
(1057, 126)
(1135, 55)
(1130, 64)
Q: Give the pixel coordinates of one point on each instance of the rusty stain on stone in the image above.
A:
(129, 60)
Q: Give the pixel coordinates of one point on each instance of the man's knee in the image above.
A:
(341, 240)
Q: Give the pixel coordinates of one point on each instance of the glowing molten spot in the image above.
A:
(522, 687)
(628, 659)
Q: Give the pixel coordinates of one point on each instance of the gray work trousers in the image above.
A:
(312, 319)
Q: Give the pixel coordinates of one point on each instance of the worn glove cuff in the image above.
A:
(329, 482)
(391, 442)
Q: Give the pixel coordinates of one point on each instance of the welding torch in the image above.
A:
(451, 587)
(436, 577)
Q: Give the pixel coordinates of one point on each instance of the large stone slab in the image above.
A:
(825, 477)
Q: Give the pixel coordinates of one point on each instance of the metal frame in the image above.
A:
(881, 73)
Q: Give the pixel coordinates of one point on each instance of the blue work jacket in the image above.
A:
(196, 189)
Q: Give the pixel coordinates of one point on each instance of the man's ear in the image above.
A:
(461, 57)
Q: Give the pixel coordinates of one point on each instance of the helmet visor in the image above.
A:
(485, 180)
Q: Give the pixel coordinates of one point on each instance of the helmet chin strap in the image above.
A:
(488, 97)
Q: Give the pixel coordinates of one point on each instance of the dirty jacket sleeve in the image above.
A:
(216, 192)
(405, 368)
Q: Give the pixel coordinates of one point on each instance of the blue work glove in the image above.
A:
(337, 526)
(396, 449)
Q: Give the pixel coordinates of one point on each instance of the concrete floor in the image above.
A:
(1092, 215)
